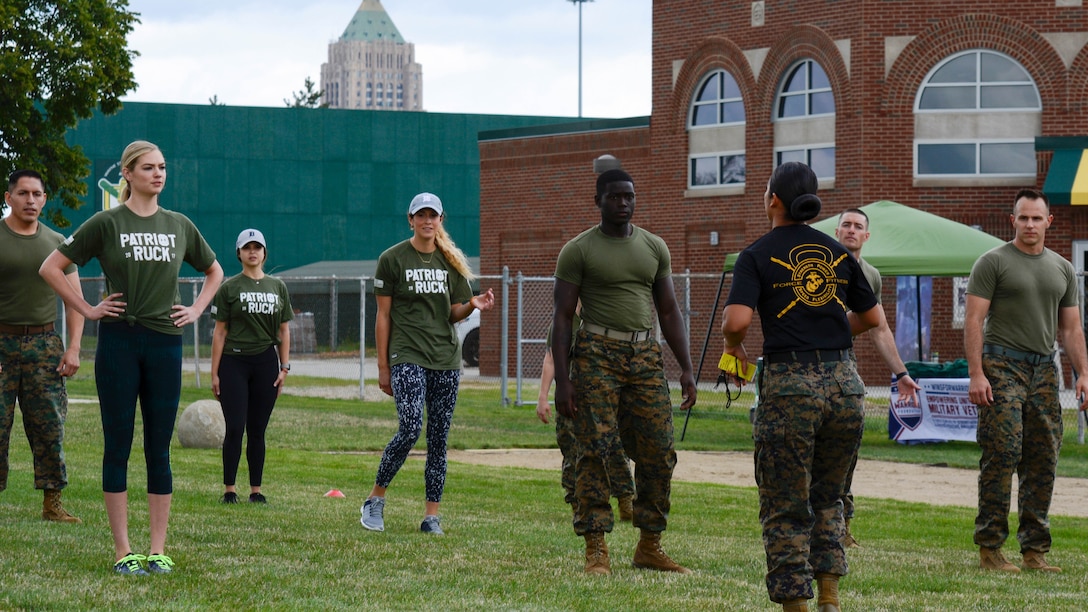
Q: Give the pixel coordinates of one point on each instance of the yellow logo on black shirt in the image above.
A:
(812, 276)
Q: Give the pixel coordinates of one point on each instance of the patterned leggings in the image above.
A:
(413, 387)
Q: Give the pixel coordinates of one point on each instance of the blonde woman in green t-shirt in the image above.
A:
(421, 287)
(251, 355)
(141, 247)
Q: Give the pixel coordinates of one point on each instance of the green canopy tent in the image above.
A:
(905, 241)
(910, 242)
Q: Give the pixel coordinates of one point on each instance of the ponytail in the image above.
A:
(453, 255)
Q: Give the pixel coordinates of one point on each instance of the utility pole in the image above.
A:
(579, 3)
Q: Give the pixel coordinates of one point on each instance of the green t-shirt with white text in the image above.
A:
(253, 310)
(141, 258)
(423, 287)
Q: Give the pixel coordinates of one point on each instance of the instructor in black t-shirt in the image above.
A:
(812, 298)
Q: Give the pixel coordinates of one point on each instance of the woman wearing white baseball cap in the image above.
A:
(422, 289)
(251, 355)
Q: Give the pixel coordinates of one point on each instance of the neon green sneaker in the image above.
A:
(160, 564)
(131, 565)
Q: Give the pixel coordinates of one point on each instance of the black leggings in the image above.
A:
(248, 394)
(133, 362)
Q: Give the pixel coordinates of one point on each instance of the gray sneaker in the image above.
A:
(372, 511)
(430, 525)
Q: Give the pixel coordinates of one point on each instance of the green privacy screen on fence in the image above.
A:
(322, 184)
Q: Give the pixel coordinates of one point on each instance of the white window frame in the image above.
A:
(808, 148)
(978, 158)
(717, 102)
(978, 85)
(976, 126)
(717, 156)
(807, 92)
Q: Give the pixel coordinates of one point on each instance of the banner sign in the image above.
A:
(944, 412)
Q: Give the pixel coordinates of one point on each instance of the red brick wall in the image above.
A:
(536, 193)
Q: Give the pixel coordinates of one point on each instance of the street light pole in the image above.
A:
(579, 3)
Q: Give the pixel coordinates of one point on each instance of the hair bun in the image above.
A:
(805, 206)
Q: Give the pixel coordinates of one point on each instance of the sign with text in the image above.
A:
(943, 412)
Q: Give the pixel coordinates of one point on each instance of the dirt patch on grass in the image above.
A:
(934, 485)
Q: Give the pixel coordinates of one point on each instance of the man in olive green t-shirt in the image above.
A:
(612, 385)
(852, 232)
(33, 360)
(1019, 296)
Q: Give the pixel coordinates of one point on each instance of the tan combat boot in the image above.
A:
(992, 559)
(797, 605)
(649, 555)
(597, 561)
(52, 510)
(1035, 560)
(627, 508)
(828, 585)
(848, 540)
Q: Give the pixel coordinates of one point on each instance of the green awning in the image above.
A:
(1067, 180)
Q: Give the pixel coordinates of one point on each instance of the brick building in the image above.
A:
(948, 107)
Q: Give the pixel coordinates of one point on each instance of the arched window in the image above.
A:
(805, 91)
(716, 126)
(718, 101)
(977, 115)
(804, 118)
(978, 80)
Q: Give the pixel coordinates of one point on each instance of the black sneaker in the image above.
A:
(131, 565)
(229, 498)
(257, 498)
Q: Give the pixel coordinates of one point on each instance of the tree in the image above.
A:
(59, 60)
(306, 98)
(214, 101)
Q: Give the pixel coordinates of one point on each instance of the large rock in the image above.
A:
(201, 425)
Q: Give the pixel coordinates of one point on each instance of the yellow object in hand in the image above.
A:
(731, 365)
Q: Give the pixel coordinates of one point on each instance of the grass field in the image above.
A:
(509, 543)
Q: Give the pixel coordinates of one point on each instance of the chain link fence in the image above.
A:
(529, 300)
(332, 336)
(334, 319)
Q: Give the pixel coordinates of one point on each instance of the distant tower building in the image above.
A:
(371, 66)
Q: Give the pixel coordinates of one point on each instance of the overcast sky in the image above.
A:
(517, 57)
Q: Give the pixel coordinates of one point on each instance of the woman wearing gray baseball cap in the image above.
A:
(422, 289)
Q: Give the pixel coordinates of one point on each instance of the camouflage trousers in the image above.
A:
(30, 375)
(1020, 433)
(847, 491)
(621, 482)
(807, 432)
(623, 403)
